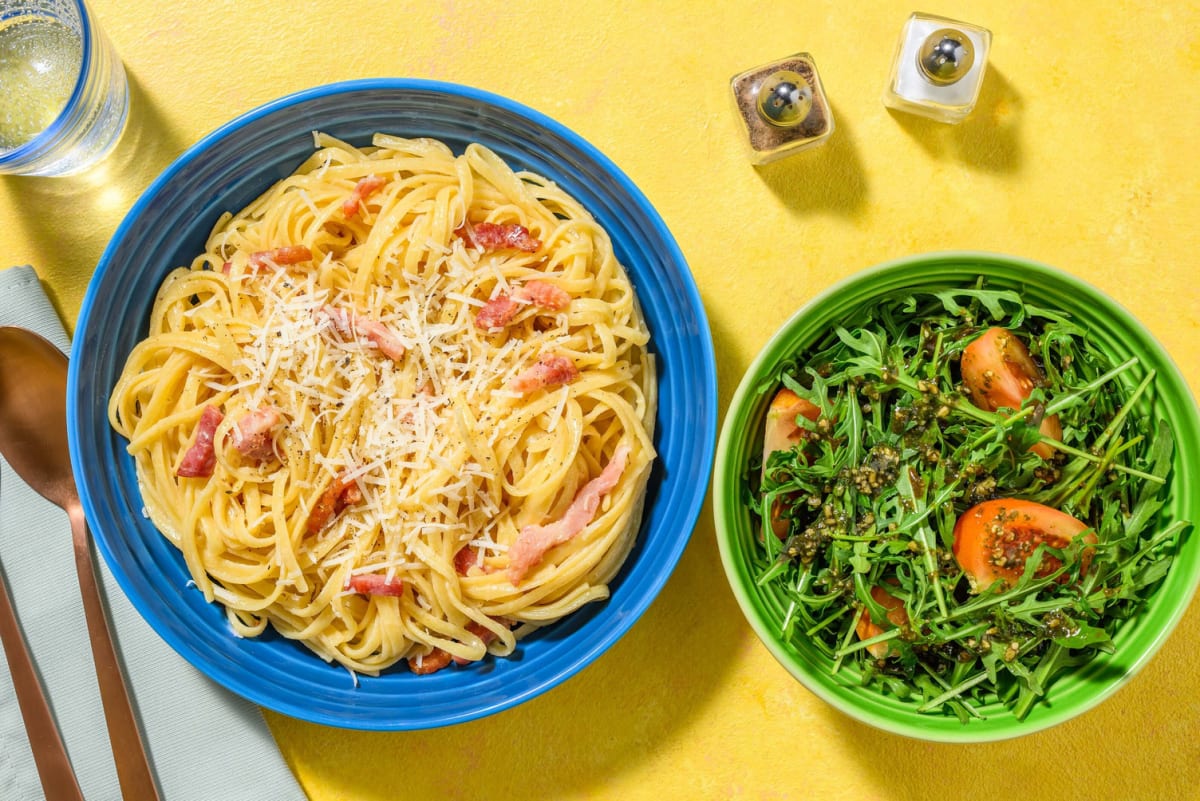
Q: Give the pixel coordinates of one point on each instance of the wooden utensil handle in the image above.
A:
(133, 768)
(49, 753)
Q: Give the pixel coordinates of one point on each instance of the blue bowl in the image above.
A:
(170, 223)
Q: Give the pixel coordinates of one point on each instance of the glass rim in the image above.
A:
(30, 151)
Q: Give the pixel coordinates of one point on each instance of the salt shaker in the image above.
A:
(783, 107)
(938, 69)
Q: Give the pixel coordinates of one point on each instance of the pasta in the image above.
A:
(401, 408)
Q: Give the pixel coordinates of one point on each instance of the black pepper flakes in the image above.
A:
(769, 141)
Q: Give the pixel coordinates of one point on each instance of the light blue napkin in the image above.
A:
(206, 744)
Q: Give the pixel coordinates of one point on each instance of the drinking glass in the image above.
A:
(63, 94)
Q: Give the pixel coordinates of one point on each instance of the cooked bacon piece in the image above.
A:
(351, 325)
(431, 662)
(500, 310)
(342, 320)
(501, 236)
(340, 493)
(384, 338)
(534, 541)
(548, 296)
(550, 371)
(466, 558)
(201, 458)
(483, 633)
(497, 313)
(279, 257)
(375, 584)
(439, 658)
(253, 434)
(362, 190)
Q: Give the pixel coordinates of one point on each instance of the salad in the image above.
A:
(959, 496)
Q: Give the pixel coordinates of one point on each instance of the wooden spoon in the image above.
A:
(33, 439)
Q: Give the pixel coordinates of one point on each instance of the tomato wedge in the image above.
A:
(867, 628)
(993, 539)
(781, 432)
(1000, 373)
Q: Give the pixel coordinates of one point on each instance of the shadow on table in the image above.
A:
(72, 218)
(827, 178)
(989, 139)
(627, 707)
(831, 178)
(1138, 744)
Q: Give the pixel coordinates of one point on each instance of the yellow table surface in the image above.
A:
(1082, 153)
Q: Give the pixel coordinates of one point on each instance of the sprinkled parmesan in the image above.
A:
(298, 361)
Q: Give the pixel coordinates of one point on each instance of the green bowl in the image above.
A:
(1117, 333)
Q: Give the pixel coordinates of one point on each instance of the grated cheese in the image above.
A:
(299, 362)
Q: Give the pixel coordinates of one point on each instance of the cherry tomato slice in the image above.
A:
(867, 628)
(1000, 373)
(993, 539)
(780, 433)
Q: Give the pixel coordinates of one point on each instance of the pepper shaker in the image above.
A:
(938, 69)
(783, 107)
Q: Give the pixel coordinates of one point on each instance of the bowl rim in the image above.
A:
(691, 497)
(723, 505)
